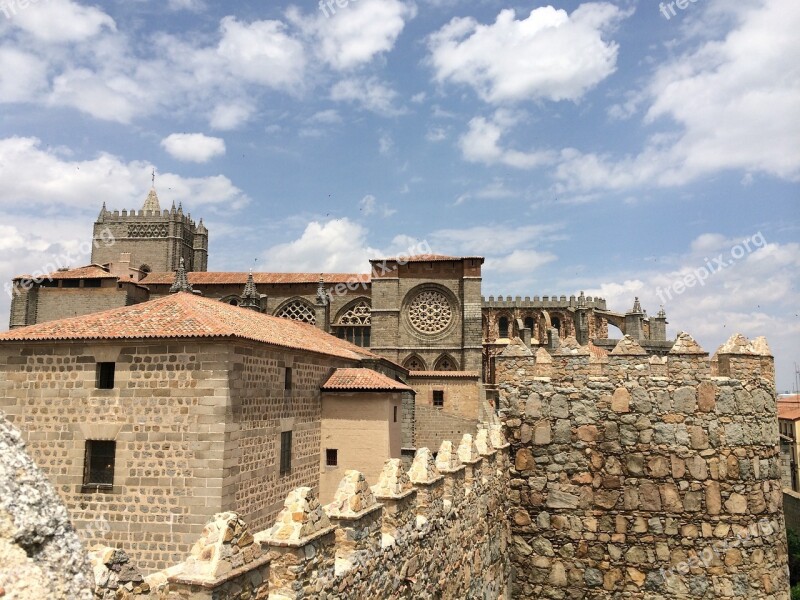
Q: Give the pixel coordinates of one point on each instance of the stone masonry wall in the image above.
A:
(435, 531)
(643, 477)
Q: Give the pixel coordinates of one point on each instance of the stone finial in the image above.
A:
(250, 298)
(516, 348)
(582, 300)
(181, 280)
(151, 202)
(760, 346)
(103, 211)
(543, 357)
(423, 469)
(113, 571)
(628, 346)
(483, 442)
(637, 307)
(685, 344)
(496, 437)
(467, 450)
(393, 481)
(225, 544)
(302, 516)
(352, 497)
(661, 313)
(201, 229)
(736, 344)
(570, 346)
(447, 457)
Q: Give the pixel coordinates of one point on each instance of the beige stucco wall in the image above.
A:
(361, 426)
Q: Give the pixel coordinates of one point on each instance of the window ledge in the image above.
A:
(99, 488)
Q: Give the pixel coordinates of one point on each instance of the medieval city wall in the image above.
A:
(437, 530)
(644, 477)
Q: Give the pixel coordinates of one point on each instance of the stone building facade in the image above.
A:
(150, 419)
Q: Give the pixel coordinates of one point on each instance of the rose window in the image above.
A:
(430, 312)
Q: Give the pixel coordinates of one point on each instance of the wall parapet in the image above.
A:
(645, 476)
(436, 530)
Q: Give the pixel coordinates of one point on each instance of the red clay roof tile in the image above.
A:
(87, 272)
(364, 380)
(182, 316)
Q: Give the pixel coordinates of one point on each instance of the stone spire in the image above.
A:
(181, 281)
(250, 298)
(637, 307)
(102, 211)
(152, 203)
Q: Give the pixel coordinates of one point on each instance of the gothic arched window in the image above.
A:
(354, 324)
(446, 363)
(414, 363)
(298, 310)
(503, 326)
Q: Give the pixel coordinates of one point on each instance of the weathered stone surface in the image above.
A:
(41, 556)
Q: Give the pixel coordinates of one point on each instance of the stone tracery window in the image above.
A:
(298, 310)
(430, 312)
(414, 363)
(445, 363)
(360, 314)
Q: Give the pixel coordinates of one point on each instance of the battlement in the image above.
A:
(438, 526)
(665, 470)
(145, 216)
(562, 301)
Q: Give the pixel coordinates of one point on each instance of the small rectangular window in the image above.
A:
(395, 414)
(70, 283)
(287, 379)
(438, 398)
(332, 457)
(105, 375)
(98, 468)
(286, 452)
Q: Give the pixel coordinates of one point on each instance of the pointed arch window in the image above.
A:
(298, 310)
(415, 363)
(354, 325)
(446, 363)
(503, 327)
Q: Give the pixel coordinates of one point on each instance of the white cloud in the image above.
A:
(550, 55)
(326, 117)
(262, 52)
(369, 206)
(519, 261)
(229, 116)
(193, 147)
(190, 5)
(330, 247)
(57, 21)
(493, 240)
(355, 34)
(385, 144)
(34, 176)
(481, 144)
(436, 134)
(369, 93)
(735, 101)
(754, 295)
(23, 76)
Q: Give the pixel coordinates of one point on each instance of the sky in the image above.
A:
(624, 148)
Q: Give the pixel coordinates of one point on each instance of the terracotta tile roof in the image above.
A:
(363, 379)
(790, 412)
(87, 272)
(225, 278)
(425, 258)
(187, 316)
(449, 374)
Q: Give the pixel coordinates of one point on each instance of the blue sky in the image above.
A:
(578, 146)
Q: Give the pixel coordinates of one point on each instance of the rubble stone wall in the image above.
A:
(643, 477)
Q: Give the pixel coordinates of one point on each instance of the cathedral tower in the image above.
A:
(156, 239)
